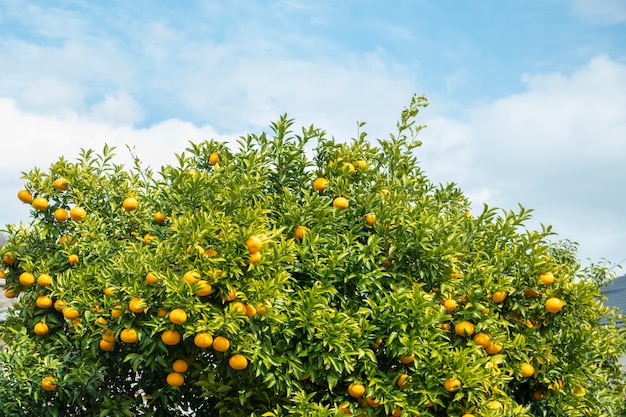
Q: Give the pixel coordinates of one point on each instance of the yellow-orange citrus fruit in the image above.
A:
(452, 384)
(137, 305)
(66, 239)
(27, 279)
(397, 412)
(191, 276)
(108, 335)
(117, 311)
(341, 202)
(210, 252)
(372, 402)
(498, 296)
(78, 213)
(2, 275)
(159, 217)
(9, 258)
(349, 167)
(238, 362)
(203, 340)
(61, 215)
(106, 346)
(43, 301)
(320, 184)
(467, 415)
(102, 321)
(59, 305)
(493, 348)
(72, 259)
(221, 344)
(402, 381)
(170, 337)
(151, 278)
(238, 306)
(530, 293)
(161, 313)
(356, 390)
(546, 278)
(41, 328)
(527, 370)
(345, 409)
(110, 291)
(11, 293)
(482, 339)
(214, 158)
(180, 366)
(254, 244)
(61, 184)
(148, 238)
(48, 383)
(450, 304)
(175, 379)
(70, 313)
(361, 164)
(25, 196)
(178, 316)
(130, 204)
(255, 258)
(464, 328)
(250, 310)
(129, 335)
(204, 288)
(39, 203)
(495, 405)
(554, 305)
(44, 280)
(406, 359)
(300, 231)
(370, 218)
(232, 294)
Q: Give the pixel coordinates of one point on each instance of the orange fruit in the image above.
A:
(356, 390)
(361, 164)
(238, 306)
(48, 383)
(161, 313)
(204, 288)
(59, 305)
(151, 278)
(300, 231)
(452, 384)
(175, 379)
(214, 158)
(61, 215)
(255, 258)
(66, 239)
(260, 308)
(482, 339)
(464, 328)
(148, 238)
(191, 276)
(341, 202)
(493, 348)
(348, 167)
(180, 366)
(530, 293)
(170, 337)
(110, 291)
(210, 252)
(402, 381)
(467, 415)
(116, 311)
(25, 196)
(159, 217)
(553, 305)
(178, 316)
(238, 362)
(41, 328)
(495, 405)
(9, 258)
(2, 274)
(11, 293)
(106, 346)
(72, 259)
(27, 279)
(78, 213)
(527, 370)
(320, 184)
(397, 412)
(254, 244)
(221, 344)
(372, 402)
(407, 359)
(43, 301)
(370, 218)
(130, 204)
(450, 304)
(546, 278)
(39, 203)
(231, 295)
(129, 336)
(70, 313)
(137, 305)
(250, 310)
(203, 340)
(108, 335)
(61, 184)
(499, 296)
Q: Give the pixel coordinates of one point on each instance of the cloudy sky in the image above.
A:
(528, 99)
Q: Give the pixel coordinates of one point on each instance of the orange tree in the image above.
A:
(294, 275)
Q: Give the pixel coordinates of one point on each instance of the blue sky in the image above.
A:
(528, 99)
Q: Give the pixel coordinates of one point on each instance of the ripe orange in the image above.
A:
(203, 340)
(170, 337)
(178, 316)
(221, 344)
(137, 305)
(61, 184)
(231, 295)
(41, 328)
(204, 288)
(108, 335)
(467, 415)
(214, 158)
(61, 215)
(59, 305)
(117, 311)
(43, 301)
(554, 305)
(180, 366)
(238, 306)
(210, 252)
(341, 202)
(372, 402)
(300, 231)
(148, 238)
(495, 405)
(320, 184)
(450, 304)
(547, 278)
(44, 280)
(370, 218)
(78, 213)
(191, 276)
(11, 293)
(530, 293)
(72, 259)
(406, 359)
(254, 244)
(9, 258)
(397, 412)
(110, 291)
(464, 328)
(403, 381)
(25, 196)
(70, 313)
(159, 217)
(106, 346)
(356, 390)
(250, 310)
(452, 384)
(40, 203)
(482, 339)
(151, 278)
(161, 313)
(27, 279)
(361, 164)
(130, 204)
(255, 258)
(129, 336)
(238, 362)
(175, 379)
(527, 370)
(349, 167)
(493, 348)
(48, 383)
(499, 296)
(66, 239)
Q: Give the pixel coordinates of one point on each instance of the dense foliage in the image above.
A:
(294, 275)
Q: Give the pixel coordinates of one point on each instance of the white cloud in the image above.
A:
(601, 11)
(51, 96)
(117, 108)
